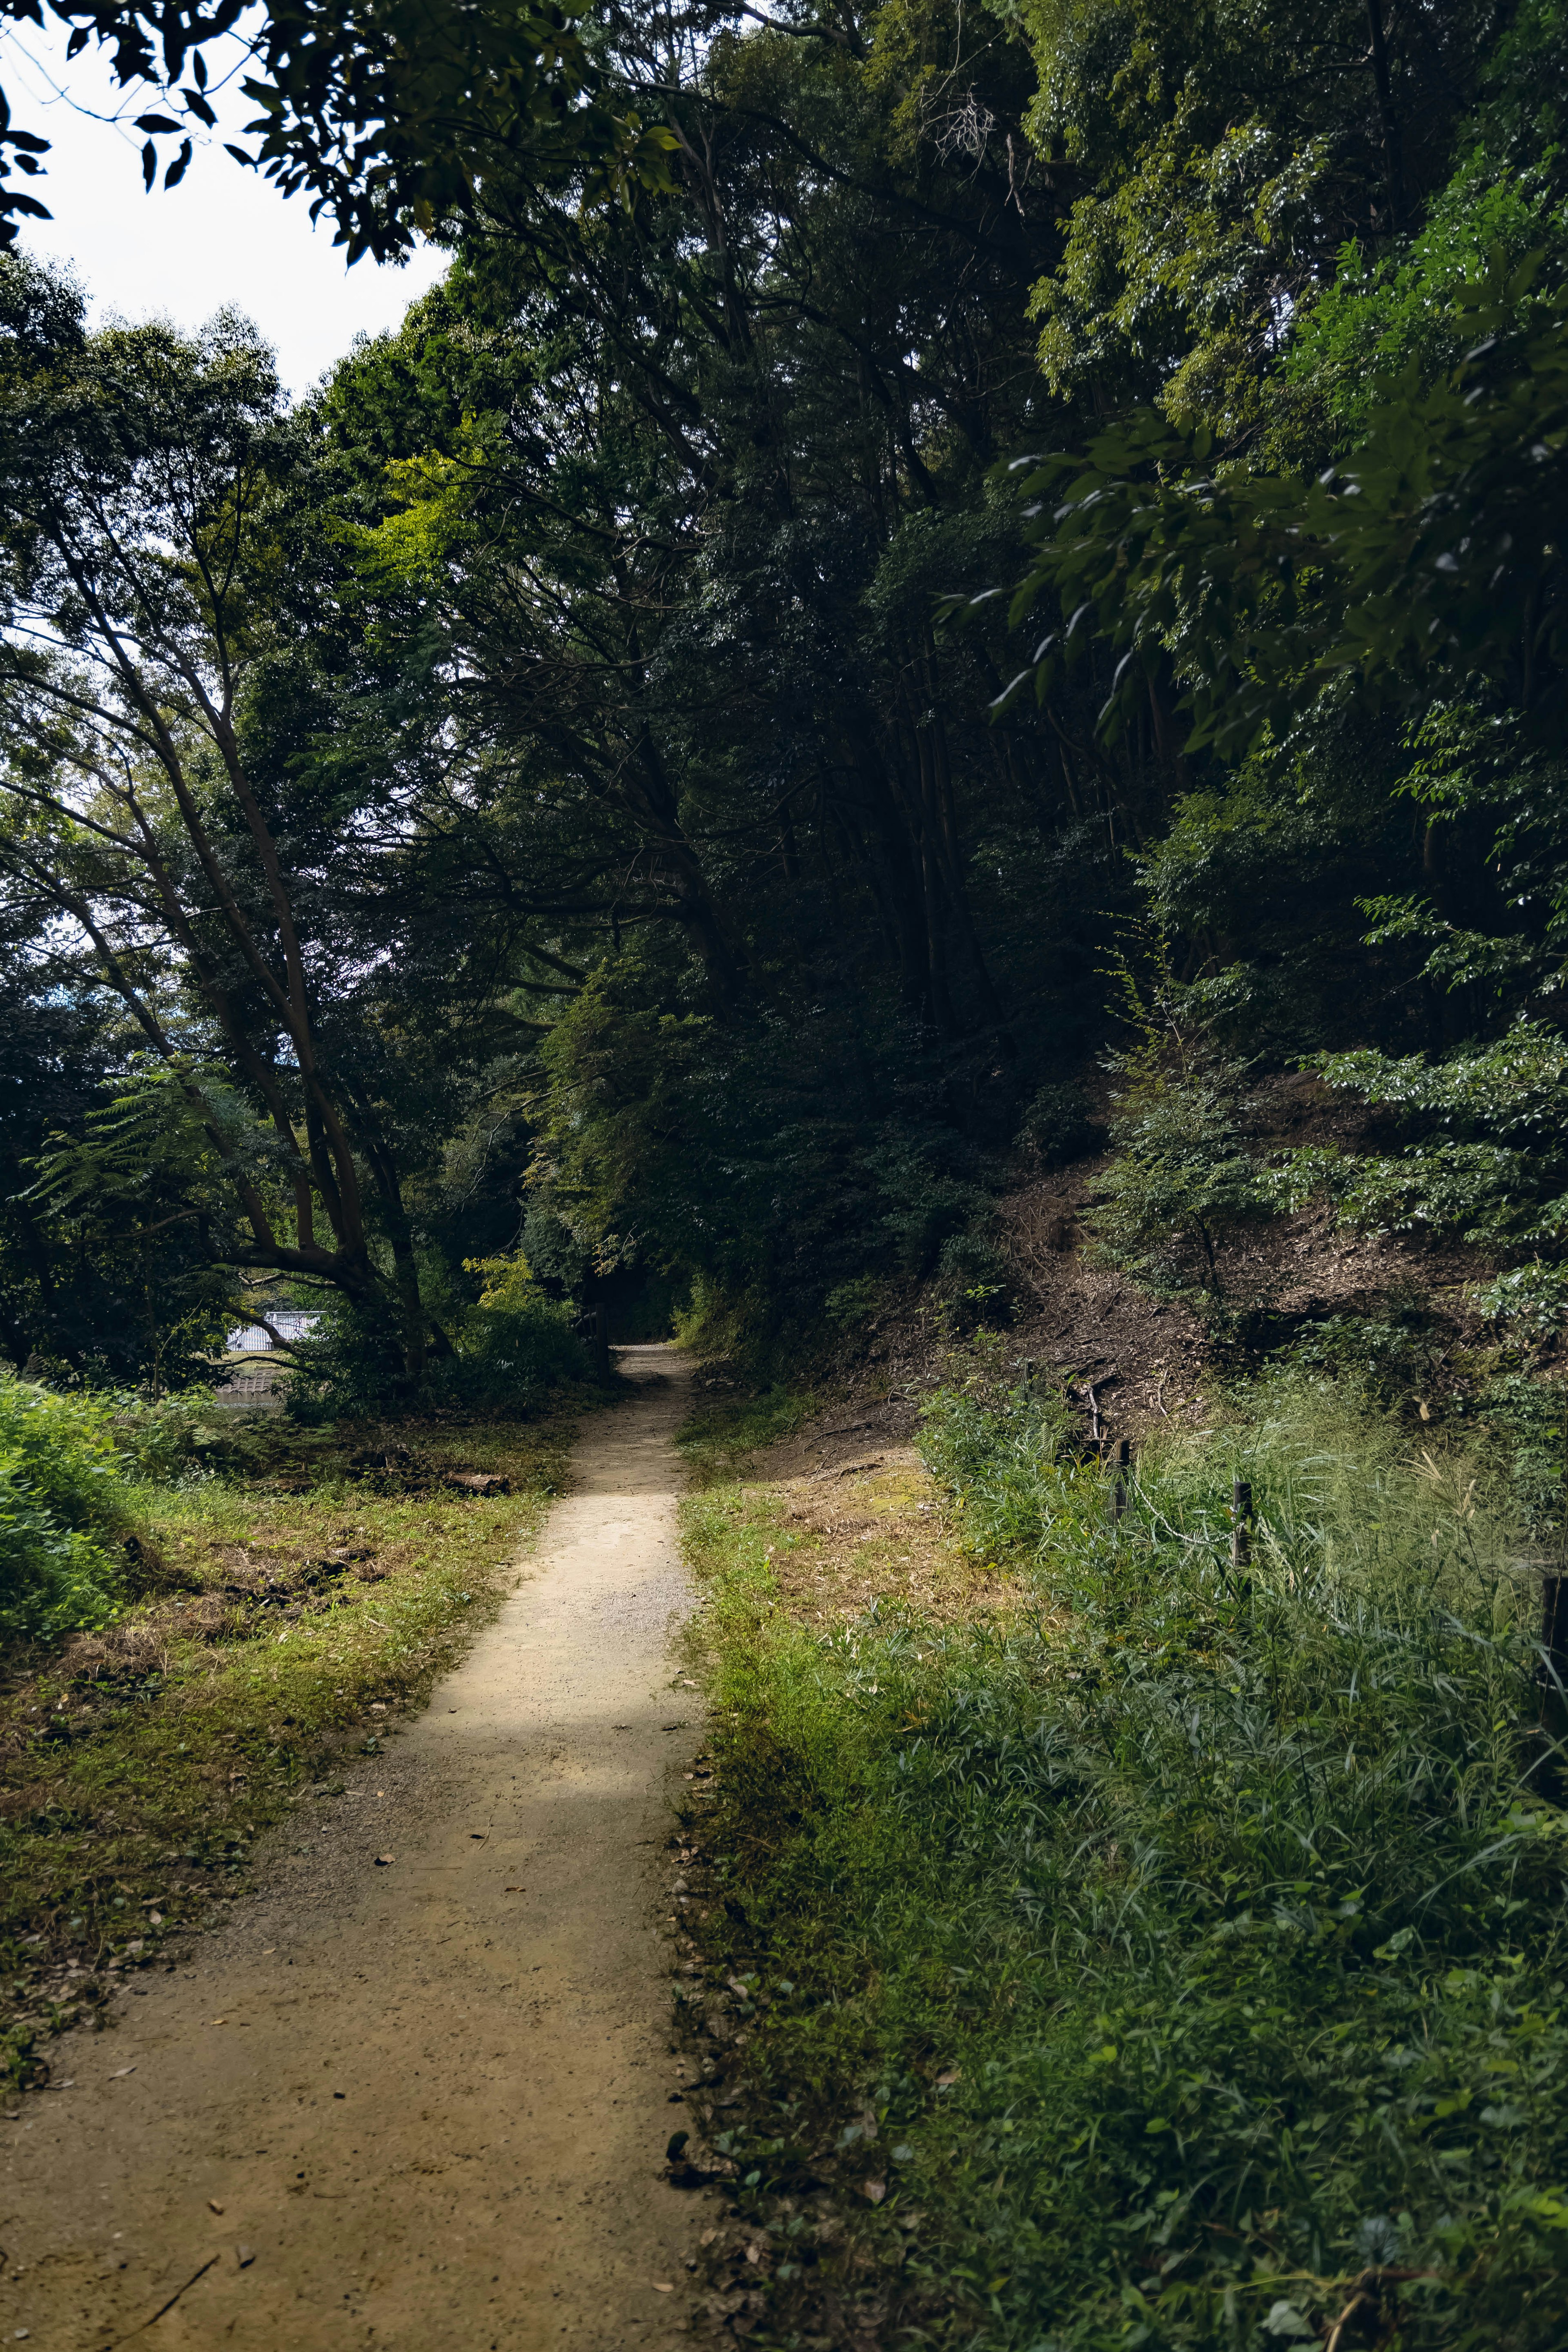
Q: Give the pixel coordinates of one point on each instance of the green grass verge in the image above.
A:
(1180, 1965)
(717, 1438)
(277, 1606)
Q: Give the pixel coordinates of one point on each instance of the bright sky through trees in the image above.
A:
(223, 236)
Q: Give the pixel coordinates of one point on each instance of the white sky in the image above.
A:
(223, 236)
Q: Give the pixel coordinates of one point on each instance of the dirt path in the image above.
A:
(421, 2103)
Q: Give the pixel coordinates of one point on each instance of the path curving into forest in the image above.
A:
(421, 2103)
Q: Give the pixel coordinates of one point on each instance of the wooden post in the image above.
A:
(1118, 1495)
(1552, 1675)
(1241, 1525)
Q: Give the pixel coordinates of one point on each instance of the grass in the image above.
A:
(287, 1608)
(717, 1438)
(1173, 1959)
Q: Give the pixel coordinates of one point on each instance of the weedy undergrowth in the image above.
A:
(1179, 1962)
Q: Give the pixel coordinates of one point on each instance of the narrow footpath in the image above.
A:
(417, 2103)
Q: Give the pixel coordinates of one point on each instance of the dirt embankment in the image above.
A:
(1135, 1361)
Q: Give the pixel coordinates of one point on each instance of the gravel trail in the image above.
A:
(419, 2104)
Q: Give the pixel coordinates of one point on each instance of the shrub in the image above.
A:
(552, 1253)
(348, 1367)
(973, 1284)
(160, 1437)
(927, 1196)
(1533, 1296)
(61, 1498)
(853, 1304)
(1184, 1178)
(1058, 1125)
(508, 1350)
(512, 1347)
(1488, 1162)
(1183, 1182)
(1393, 1356)
(713, 1321)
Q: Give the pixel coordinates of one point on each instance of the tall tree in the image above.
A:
(143, 483)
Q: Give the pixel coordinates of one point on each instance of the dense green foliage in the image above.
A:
(62, 1498)
(540, 781)
(510, 1348)
(1184, 1953)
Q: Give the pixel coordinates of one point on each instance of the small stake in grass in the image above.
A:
(1119, 1492)
(1240, 1526)
(1553, 1678)
(1552, 1674)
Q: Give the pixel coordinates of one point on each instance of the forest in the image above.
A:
(912, 730)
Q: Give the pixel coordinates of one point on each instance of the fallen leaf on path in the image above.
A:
(383, 1859)
(120, 2072)
(244, 2256)
(663, 2287)
(213, 2205)
(217, 2021)
(516, 1890)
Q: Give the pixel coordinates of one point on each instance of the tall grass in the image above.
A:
(1197, 1941)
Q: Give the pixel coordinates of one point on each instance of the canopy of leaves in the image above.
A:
(388, 115)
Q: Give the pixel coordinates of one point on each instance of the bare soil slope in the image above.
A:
(418, 2101)
(1135, 1361)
